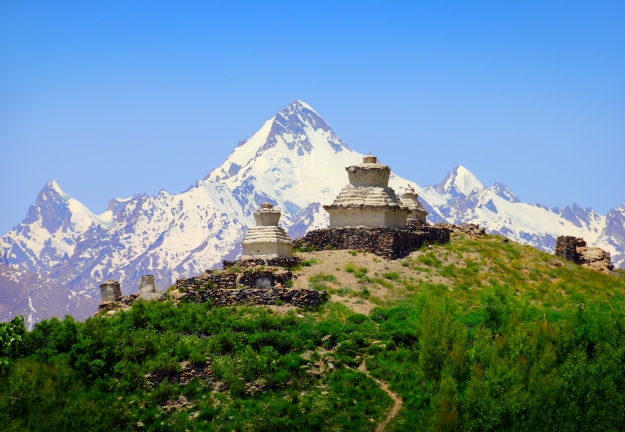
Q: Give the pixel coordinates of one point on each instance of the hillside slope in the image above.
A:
(475, 335)
(294, 161)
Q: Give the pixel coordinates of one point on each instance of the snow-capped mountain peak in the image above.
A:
(502, 190)
(294, 161)
(294, 151)
(295, 131)
(459, 181)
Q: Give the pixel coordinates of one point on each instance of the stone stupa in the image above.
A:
(410, 199)
(368, 200)
(267, 240)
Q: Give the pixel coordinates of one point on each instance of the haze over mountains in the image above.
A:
(52, 263)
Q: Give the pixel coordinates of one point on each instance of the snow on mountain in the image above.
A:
(294, 160)
(459, 181)
(49, 232)
(52, 263)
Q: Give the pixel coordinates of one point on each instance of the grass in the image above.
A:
(318, 281)
(492, 336)
(392, 276)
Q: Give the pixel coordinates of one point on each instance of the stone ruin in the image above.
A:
(261, 276)
(577, 251)
(112, 297)
(367, 215)
(111, 291)
(147, 288)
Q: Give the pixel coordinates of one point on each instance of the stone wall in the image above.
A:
(387, 242)
(257, 262)
(253, 278)
(565, 248)
(254, 296)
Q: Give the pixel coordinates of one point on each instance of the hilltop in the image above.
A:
(53, 261)
(478, 334)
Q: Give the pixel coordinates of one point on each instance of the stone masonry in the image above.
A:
(576, 250)
(565, 248)
(255, 296)
(367, 200)
(269, 262)
(387, 242)
(111, 291)
(251, 278)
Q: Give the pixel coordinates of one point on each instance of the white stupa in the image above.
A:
(367, 200)
(267, 239)
(410, 199)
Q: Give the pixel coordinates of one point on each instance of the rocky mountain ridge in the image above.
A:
(296, 162)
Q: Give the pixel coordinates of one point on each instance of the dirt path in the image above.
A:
(397, 401)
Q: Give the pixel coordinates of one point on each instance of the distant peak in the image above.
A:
(459, 181)
(300, 109)
(299, 104)
(502, 190)
(54, 187)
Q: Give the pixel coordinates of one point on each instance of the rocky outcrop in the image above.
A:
(576, 250)
(187, 372)
(473, 230)
(387, 242)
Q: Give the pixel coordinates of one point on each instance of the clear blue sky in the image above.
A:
(113, 98)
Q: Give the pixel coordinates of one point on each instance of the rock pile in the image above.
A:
(123, 303)
(180, 404)
(473, 230)
(188, 371)
(387, 242)
(576, 250)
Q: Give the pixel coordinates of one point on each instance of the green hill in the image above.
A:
(474, 335)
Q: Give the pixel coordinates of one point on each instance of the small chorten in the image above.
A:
(367, 200)
(111, 291)
(410, 199)
(267, 239)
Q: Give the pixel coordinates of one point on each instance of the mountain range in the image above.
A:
(52, 262)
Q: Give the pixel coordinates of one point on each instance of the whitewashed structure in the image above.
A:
(267, 240)
(410, 199)
(367, 200)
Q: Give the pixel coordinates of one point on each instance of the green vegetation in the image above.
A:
(494, 336)
(91, 376)
(305, 263)
(11, 334)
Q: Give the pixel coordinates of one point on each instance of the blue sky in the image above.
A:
(113, 98)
